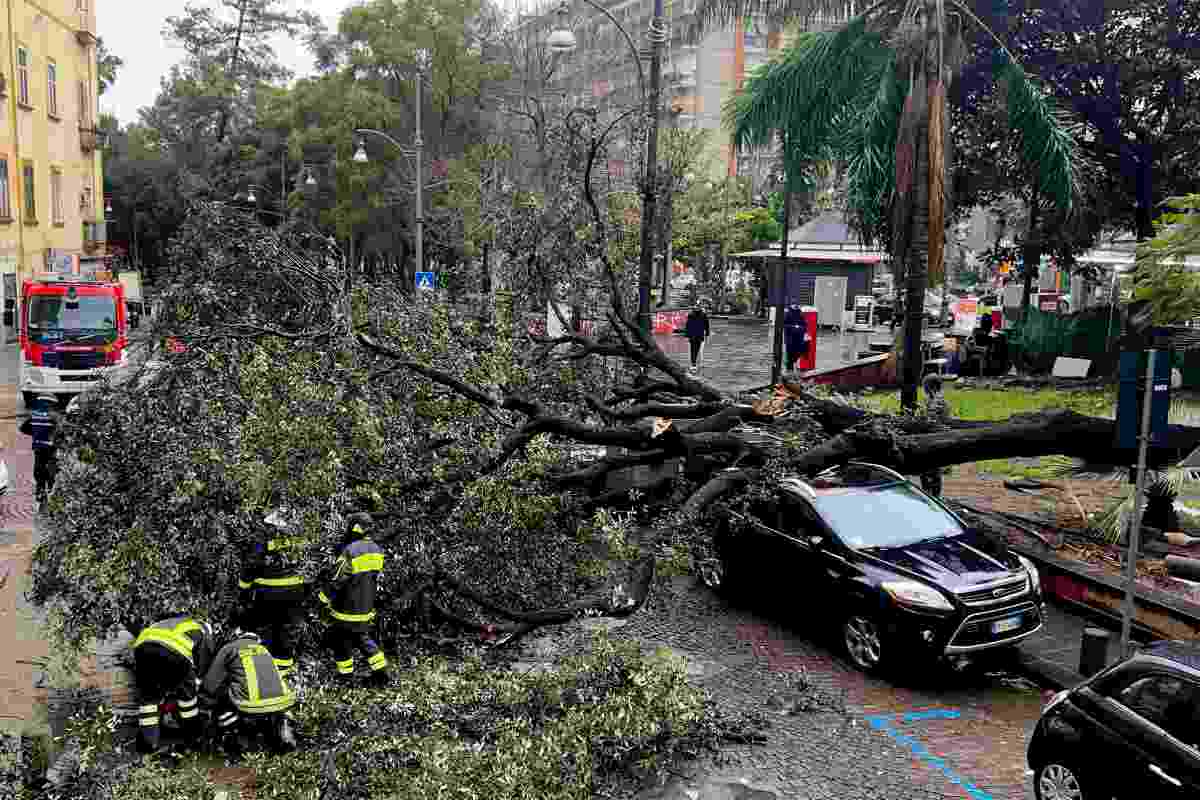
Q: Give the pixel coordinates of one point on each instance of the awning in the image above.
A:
(804, 254)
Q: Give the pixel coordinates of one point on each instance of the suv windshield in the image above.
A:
(54, 318)
(887, 516)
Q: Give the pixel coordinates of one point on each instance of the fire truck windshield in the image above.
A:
(57, 319)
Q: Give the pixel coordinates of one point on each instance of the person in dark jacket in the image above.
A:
(168, 656)
(697, 330)
(41, 427)
(273, 593)
(795, 335)
(350, 601)
(242, 685)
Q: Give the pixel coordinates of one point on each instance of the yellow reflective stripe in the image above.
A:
(148, 709)
(377, 661)
(370, 562)
(168, 639)
(245, 584)
(324, 598)
(247, 655)
(345, 667)
(186, 703)
(342, 617)
(272, 706)
(149, 722)
(294, 580)
(187, 626)
(284, 662)
(191, 712)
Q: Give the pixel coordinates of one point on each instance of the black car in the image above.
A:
(894, 569)
(1131, 731)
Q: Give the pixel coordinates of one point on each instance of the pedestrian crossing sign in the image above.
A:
(425, 280)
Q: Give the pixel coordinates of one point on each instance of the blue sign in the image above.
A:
(426, 280)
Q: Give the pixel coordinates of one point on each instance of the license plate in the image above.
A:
(1005, 625)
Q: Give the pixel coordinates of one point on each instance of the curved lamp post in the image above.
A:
(360, 156)
(562, 40)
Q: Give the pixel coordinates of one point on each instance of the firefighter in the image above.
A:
(273, 593)
(168, 656)
(248, 695)
(352, 604)
(41, 427)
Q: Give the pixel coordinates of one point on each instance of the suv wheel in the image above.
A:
(1059, 781)
(863, 638)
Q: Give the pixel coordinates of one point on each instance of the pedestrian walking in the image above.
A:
(42, 427)
(273, 591)
(350, 601)
(697, 329)
(248, 695)
(795, 335)
(938, 412)
(168, 657)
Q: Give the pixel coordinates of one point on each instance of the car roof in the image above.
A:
(850, 476)
(1184, 653)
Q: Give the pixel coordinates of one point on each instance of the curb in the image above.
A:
(1047, 673)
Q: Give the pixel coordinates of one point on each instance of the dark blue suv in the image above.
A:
(1133, 731)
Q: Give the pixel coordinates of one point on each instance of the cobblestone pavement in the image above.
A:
(942, 735)
(737, 354)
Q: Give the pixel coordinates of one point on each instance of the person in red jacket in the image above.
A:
(350, 601)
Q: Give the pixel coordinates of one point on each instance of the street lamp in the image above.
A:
(562, 40)
(360, 156)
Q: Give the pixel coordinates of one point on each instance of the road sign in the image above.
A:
(426, 280)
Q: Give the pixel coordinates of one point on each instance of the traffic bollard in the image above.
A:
(1093, 651)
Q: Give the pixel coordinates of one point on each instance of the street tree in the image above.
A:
(875, 91)
(229, 43)
(107, 66)
(1162, 279)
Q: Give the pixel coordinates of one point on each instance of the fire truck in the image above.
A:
(73, 329)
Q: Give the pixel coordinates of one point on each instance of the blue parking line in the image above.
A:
(883, 723)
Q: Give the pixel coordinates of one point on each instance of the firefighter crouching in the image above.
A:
(273, 595)
(168, 657)
(350, 602)
(248, 695)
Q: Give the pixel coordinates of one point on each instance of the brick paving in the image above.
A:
(745, 657)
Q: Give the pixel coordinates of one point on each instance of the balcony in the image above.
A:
(95, 235)
(83, 30)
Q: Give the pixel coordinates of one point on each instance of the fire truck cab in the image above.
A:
(73, 330)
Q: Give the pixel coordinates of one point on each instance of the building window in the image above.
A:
(56, 196)
(85, 202)
(28, 193)
(5, 198)
(52, 89)
(23, 76)
(85, 106)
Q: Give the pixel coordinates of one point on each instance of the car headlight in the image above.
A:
(911, 593)
(1035, 578)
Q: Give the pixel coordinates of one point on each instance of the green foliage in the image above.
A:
(994, 405)
(107, 66)
(595, 723)
(1162, 278)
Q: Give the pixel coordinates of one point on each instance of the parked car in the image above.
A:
(895, 570)
(1131, 731)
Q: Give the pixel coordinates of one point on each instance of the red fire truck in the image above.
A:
(73, 328)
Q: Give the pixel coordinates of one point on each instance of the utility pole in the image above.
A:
(657, 36)
(1135, 525)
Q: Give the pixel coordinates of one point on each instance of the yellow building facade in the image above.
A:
(51, 180)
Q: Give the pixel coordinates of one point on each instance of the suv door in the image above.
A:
(751, 546)
(812, 562)
(1159, 715)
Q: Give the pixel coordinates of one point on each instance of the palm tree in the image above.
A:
(872, 93)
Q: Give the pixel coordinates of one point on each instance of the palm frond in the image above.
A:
(868, 144)
(806, 91)
(1047, 140)
(720, 14)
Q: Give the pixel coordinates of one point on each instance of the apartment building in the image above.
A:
(51, 195)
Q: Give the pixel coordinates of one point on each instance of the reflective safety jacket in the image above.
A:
(244, 672)
(351, 594)
(271, 568)
(183, 635)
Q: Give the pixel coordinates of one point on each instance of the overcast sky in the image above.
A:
(133, 31)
